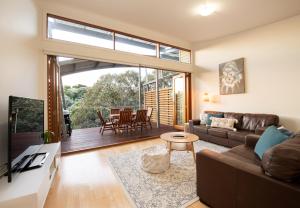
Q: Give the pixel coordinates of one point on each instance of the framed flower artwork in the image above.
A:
(232, 77)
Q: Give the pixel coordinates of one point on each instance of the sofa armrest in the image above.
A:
(217, 178)
(226, 181)
(251, 140)
(260, 130)
(192, 123)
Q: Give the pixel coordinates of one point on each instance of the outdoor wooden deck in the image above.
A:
(90, 138)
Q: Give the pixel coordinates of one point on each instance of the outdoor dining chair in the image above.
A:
(140, 119)
(125, 121)
(114, 111)
(105, 125)
(128, 109)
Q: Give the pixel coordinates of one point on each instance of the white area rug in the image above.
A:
(174, 188)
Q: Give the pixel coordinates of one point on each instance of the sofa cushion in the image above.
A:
(283, 160)
(203, 118)
(251, 140)
(253, 121)
(238, 135)
(260, 130)
(271, 137)
(226, 123)
(237, 116)
(219, 132)
(244, 154)
(201, 129)
(209, 116)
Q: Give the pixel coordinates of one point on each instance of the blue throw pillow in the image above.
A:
(271, 137)
(208, 121)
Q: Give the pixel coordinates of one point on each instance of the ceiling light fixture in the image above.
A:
(206, 9)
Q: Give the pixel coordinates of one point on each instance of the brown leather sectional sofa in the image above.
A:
(236, 179)
(247, 124)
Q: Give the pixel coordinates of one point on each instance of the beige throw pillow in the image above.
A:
(203, 118)
(226, 123)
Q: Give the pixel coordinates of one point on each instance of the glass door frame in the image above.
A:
(188, 96)
(187, 100)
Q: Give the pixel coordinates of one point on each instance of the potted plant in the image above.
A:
(47, 136)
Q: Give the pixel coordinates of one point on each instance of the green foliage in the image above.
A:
(74, 94)
(47, 136)
(68, 102)
(111, 90)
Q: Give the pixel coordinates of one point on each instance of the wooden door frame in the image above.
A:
(188, 97)
(53, 97)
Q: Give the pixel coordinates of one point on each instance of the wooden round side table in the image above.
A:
(180, 141)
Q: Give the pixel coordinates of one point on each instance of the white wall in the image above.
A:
(272, 72)
(19, 58)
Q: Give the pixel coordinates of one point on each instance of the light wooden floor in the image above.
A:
(86, 180)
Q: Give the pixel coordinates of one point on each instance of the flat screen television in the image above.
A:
(25, 130)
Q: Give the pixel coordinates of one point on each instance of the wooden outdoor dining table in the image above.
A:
(117, 115)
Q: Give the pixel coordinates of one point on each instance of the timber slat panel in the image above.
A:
(165, 105)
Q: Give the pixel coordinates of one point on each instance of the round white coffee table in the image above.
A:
(180, 141)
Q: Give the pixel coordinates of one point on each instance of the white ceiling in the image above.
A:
(177, 17)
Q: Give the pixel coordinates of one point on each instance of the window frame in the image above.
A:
(117, 35)
(65, 24)
(114, 32)
(165, 46)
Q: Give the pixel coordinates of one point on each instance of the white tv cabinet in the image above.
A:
(30, 189)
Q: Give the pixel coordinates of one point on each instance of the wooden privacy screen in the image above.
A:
(54, 98)
(150, 101)
(165, 105)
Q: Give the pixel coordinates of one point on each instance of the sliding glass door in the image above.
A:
(168, 93)
(164, 92)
